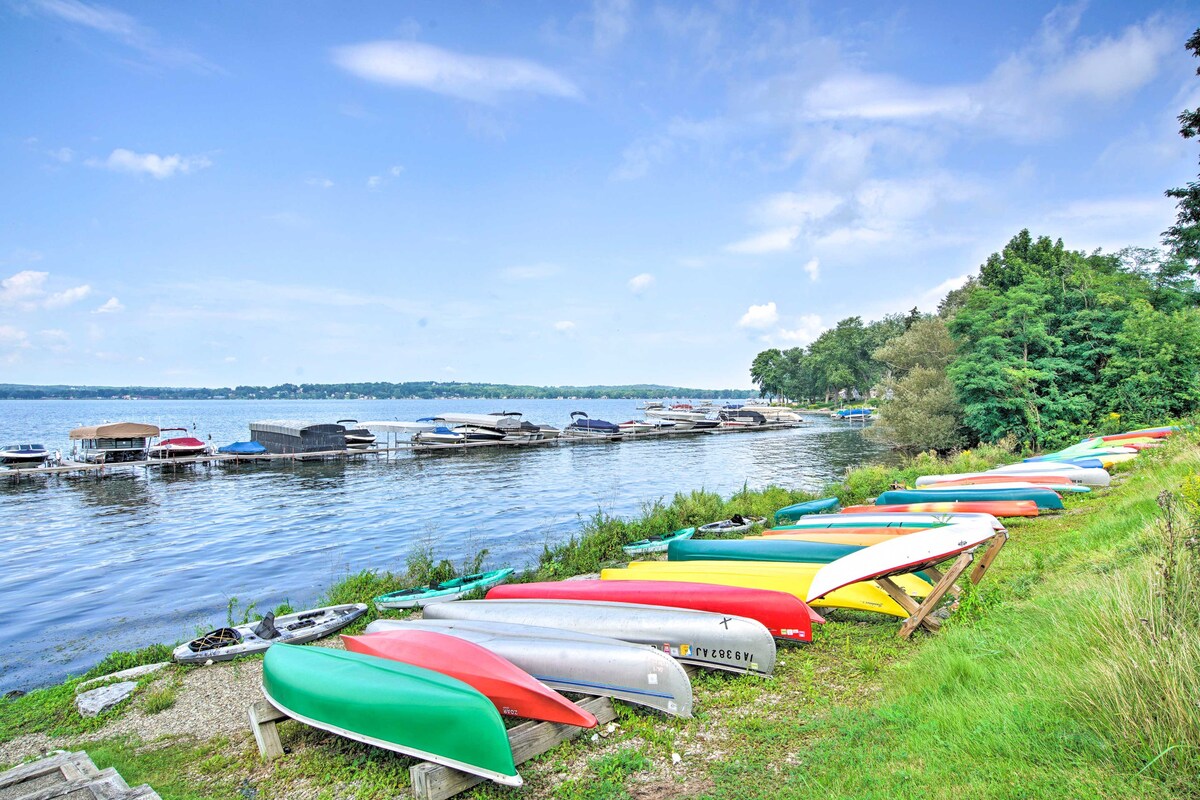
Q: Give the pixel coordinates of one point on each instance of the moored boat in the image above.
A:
(225, 644)
(453, 589)
(113, 442)
(24, 455)
(514, 692)
(584, 427)
(243, 449)
(784, 615)
(657, 543)
(358, 437)
(574, 662)
(393, 705)
(176, 446)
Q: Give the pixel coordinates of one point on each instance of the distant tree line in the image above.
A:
(1041, 346)
(426, 390)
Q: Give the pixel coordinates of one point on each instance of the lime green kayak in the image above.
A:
(392, 705)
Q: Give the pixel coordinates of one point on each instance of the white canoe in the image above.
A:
(825, 520)
(1086, 477)
(899, 556)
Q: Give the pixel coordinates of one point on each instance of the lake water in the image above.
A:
(94, 565)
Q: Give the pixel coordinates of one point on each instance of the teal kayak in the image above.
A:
(794, 512)
(389, 704)
(445, 591)
(1044, 498)
(770, 548)
(657, 544)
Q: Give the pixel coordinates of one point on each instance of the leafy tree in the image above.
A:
(765, 371)
(1155, 373)
(1183, 238)
(920, 410)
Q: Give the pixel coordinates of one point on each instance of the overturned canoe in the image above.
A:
(917, 551)
(798, 510)
(573, 662)
(702, 638)
(769, 548)
(905, 519)
(399, 707)
(225, 644)
(791, 578)
(514, 692)
(442, 592)
(861, 537)
(997, 508)
(657, 544)
(783, 614)
(1044, 498)
(1013, 482)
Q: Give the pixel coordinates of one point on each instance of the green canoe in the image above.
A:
(1044, 498)
(444, 592)
(768, 549)
(657, 544)
(795, 512)
(392, 705)
(850, 522)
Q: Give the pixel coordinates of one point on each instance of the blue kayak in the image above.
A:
(795, 512)
(1044, 498)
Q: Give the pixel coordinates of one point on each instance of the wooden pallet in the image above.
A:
(434, 781)
(944, 583)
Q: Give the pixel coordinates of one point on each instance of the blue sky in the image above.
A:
(550, 193)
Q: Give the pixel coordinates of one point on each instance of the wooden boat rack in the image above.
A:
(435, 781)
(920, 614)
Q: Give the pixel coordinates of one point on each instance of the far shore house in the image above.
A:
(282, 436)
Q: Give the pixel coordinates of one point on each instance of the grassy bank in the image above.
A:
(1072, 671)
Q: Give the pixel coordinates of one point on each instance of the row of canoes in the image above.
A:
(437, 688)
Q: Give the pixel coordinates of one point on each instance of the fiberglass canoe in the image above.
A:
(388, 704)
(800, 509)
(769, 548)
(997, 508)
(1044, 498)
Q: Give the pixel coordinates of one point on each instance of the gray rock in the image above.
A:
(94, 702)
(125, 674)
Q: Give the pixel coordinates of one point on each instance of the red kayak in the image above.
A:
(784, 615)
(997, 508)
(514, 691)
(1152, 433)
(1048, 481)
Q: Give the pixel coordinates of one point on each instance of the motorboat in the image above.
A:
(774, 414)
(583, 426)
(177, 446)
(357, 437)
(439, 435)
(636, 426)
(739, 417)
(24, 455)
(680, 411)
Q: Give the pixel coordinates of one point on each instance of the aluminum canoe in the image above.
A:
(514, 692)
(784, 615)
(399, 707)
(900, 556)
(702, 638)
(574, 662)
(792, 578)
(225, 644)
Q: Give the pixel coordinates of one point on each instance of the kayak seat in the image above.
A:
(266, 629)
(221, 637)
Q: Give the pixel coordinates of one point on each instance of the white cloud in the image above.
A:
(640, 283)
(482, 79)
(885, 97)
(374, 182)
(111, 306)
(124, 29)
(763, 316)
(67, 297)
(774, 241)
(808, 327)
(611, 20)
(63, 154)
(320, 183)
(813, 269)
(13, 337)
(530, 272)
(22, 288)
(160, 167)
(55, 340)
(563, 326)
(395, 171)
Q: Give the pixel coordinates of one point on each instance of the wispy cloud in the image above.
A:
(375, 181)
(320, 183)
(111, 306)
(640, 283)
(158, 167)
(67, 297)
(564, 326)
(481, 79)
(26, 291)
(813, 270)
(778, 240)
(530, 272)
(611, 22)
(124, 29)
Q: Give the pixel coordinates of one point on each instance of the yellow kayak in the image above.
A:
(791, 578)
(829, 536)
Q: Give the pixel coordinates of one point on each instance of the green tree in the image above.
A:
(920, 410)
(765, 371)
(1183, 238)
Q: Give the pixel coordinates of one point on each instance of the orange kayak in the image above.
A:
(997, 508)
(1040, 480)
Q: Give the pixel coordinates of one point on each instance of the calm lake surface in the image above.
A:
(94, 565)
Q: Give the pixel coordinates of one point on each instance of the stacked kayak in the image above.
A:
(1024, 472)
(785, 616)
(573, 662)
(513, 691)
(798, 510)
(701, 638)
(1044, 498)
(389, 704)
(997, 508)
(768, 548)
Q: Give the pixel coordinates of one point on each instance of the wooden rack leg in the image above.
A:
(436, 782)
(935, 597)
(907, 603)
(989, 556)
(263, 717)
